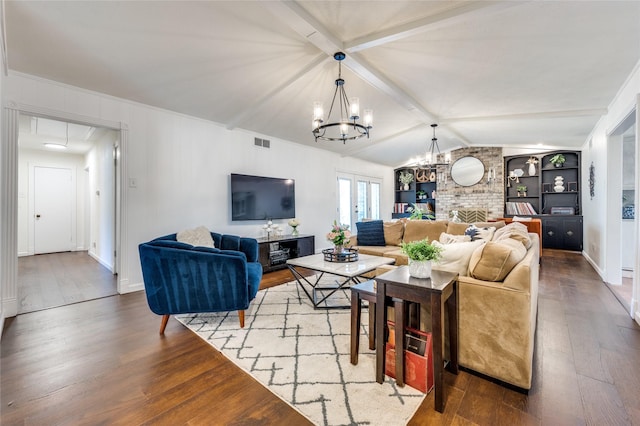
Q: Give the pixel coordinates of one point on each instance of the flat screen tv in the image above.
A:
(262, 198)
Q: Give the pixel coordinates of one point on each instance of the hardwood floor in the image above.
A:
(57, 279)
(103, 362)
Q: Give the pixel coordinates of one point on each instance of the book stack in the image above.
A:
(514, 208)
(400, 207)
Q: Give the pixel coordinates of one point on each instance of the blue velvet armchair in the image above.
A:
(180, 278)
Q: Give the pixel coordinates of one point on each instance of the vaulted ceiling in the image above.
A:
(531, 74)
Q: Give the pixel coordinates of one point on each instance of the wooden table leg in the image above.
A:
(452, 312)
(398, 306)
(438, 363)
(356, 311)
(381, 318)
(372, 325)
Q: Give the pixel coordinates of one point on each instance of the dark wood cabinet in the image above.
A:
(562, 232)
(422, 191)
(273, 252)
(549, 191)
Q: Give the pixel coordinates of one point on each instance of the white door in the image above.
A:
(52, 208)
(358, 199)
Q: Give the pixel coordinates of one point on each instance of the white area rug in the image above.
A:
(302, 355)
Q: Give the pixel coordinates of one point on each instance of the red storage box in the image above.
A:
(418, 366)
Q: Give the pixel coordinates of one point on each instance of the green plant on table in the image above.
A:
(421, 250)
(521, 188)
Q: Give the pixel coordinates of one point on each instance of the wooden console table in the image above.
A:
(439, 291)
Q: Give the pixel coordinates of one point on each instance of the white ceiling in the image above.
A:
(490, 73)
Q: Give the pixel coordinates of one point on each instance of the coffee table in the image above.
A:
(348, 272)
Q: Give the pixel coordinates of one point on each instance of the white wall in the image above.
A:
(596, 211)
(181, 167)
(100, 193)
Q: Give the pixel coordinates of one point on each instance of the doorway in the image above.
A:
(66, 212)
(621, 186)
(358, 198)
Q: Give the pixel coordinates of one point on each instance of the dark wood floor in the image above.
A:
(103, 362)
(57, 279)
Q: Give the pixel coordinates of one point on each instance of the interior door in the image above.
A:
(52, 208)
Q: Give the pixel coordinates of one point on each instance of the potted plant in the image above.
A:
(558, 160)
(405, 179)
(522, 190)
(417, 213)
(421, 194)
(421, 254)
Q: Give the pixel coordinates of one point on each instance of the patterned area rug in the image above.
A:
(302, 355)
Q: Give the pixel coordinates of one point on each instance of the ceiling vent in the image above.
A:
(265, 143)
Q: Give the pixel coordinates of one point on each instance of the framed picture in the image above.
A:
(572, 186)
(546, 187)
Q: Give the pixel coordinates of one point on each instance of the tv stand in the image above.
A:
(273, 252)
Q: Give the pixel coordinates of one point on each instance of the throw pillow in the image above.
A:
(494, 260)
(476, 233)
(516, 231)
(449, 239)
(199, 236)
(499, 224)
(455, 256)
(370, 233)
(393, 232)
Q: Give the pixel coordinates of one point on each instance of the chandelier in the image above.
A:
(346, 127)
(433, 157)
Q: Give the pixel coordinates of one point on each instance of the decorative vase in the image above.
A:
(432, 176)
(420, 268)
(337, 249)
(532, 169)
(294, 231)
(558, 165)
(406, 187)
(558, 184)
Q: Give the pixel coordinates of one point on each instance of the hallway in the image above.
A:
(58, 279)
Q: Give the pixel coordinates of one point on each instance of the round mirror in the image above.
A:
(467, 171)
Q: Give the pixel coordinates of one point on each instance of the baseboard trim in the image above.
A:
(593, 264)
(9, 307)
(1, 325)
(101, 261)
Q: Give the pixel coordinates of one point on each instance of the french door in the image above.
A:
(358, 198)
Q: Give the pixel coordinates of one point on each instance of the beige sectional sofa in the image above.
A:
(498, 291)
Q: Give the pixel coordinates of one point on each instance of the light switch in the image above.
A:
(133, 182)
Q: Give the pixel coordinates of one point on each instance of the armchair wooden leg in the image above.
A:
(163, 324)
(241, 316)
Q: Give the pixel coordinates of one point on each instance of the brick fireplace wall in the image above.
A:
(489, 196)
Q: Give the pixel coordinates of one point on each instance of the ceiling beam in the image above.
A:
(310, 28)
(429, 23)
(529, 115)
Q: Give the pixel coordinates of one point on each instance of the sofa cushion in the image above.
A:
(416, 230)
(516, 231)
(199, 236)
(393, 232)
(476, 233)
(448, 238)
(457, 228)
(376, 250)
(455, 256)
(370, 233)
(494, 260)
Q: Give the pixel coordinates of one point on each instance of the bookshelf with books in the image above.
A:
(421, 191)
(539, 185)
